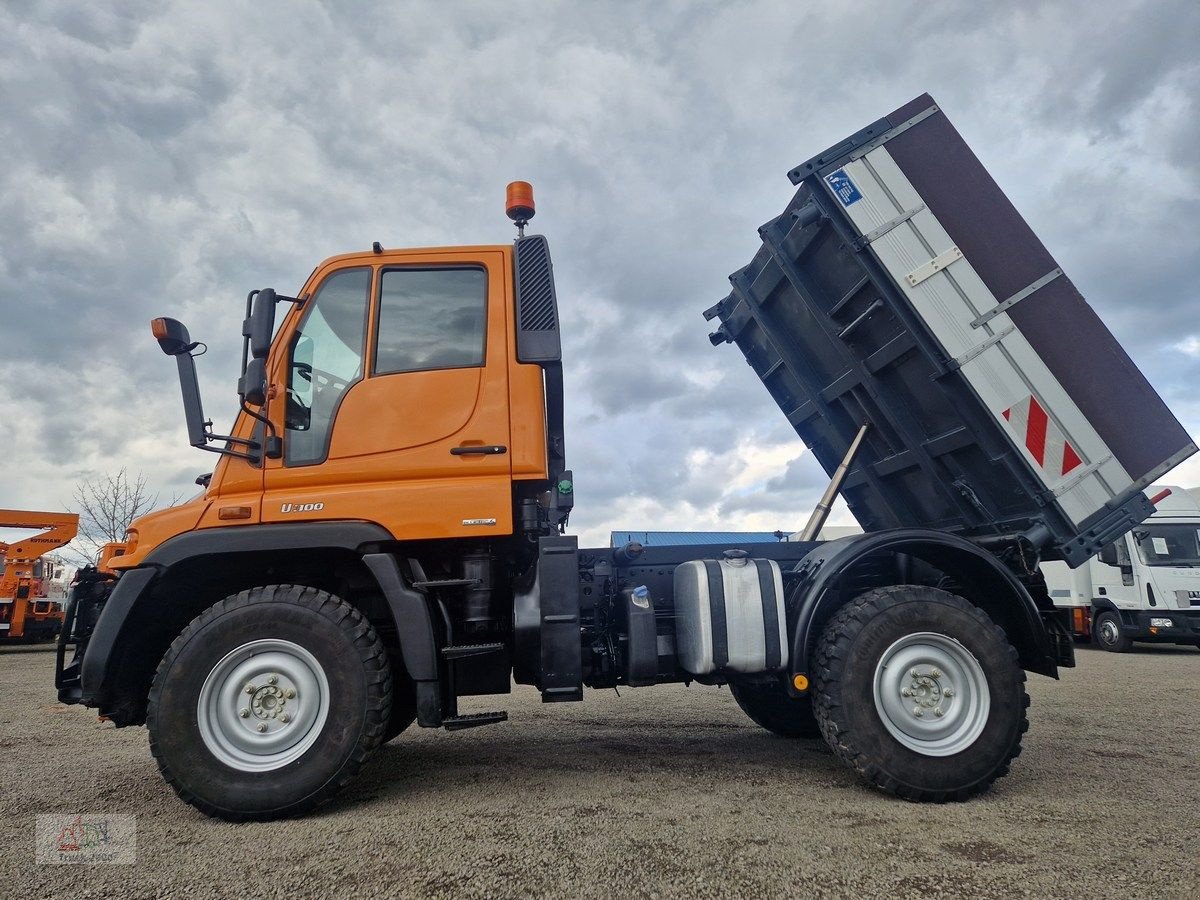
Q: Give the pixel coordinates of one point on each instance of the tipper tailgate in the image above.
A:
(902, 289)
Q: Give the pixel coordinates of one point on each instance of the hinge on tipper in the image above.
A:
(1016, 298)
(875, 234)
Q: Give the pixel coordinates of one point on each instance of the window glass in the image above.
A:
(1168, 545)
(325, 360)
(431, 319)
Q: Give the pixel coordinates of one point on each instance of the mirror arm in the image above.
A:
(274, 446)
(253, 448)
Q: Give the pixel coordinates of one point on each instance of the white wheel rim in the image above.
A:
(931, 694)
(263, 705)
(1109, 632)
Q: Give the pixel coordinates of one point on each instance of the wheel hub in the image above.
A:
(263, 705)
(927, 691)
(931, 694)
(268, 702)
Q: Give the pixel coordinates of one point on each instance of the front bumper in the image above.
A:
(85, 602)
(1137, 625)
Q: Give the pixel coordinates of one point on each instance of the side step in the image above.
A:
(473, 720)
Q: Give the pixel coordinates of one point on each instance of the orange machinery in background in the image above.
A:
(25, 611)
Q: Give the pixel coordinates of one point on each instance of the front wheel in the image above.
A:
(269, 703)
(920, 693)
(1106, 632)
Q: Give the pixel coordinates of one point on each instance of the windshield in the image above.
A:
(1168, 545)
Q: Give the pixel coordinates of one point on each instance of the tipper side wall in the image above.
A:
(900, 288)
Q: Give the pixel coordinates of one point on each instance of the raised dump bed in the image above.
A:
(900, 288)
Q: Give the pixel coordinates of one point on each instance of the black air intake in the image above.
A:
(537, 307)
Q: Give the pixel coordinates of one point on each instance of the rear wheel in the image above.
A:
(1106, 632)
(269, 703)
(770, 706)
(920, 693)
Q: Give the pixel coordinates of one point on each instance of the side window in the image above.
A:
(325, 359)
(430, 319)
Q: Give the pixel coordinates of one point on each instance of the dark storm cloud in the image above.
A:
(166, 158)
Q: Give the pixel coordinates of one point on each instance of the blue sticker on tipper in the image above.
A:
(841, 184)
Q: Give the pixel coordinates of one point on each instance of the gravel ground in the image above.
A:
(662, 792)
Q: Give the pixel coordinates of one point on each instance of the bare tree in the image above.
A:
(106, 506)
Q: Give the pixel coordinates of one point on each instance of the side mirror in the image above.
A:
(1108, 554)
(254, 383)
(172, 336)
(260, 326)
(174, 340)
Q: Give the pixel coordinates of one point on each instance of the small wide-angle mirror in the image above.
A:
(254, 382)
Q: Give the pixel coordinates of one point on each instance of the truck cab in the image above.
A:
(397, 396)
(1142, 587)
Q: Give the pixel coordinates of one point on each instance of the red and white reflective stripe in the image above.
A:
(1042, 438)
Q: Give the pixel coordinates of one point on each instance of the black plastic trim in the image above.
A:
(94, 672)
(411, 615)
(822, 568)
(258, 538)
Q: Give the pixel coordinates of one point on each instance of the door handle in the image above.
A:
(479, 450)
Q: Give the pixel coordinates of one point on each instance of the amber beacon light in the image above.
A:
(519, 204)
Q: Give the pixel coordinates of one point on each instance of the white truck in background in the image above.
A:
(1145, 586)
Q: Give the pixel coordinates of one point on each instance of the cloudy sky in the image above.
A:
(168, 157)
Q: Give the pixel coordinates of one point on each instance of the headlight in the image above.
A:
(1161, 623)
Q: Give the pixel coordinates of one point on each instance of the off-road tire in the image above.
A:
(353, 660)
(1119, 644)
(847, 656)
(769, 706)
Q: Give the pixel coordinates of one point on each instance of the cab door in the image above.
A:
(395, 396)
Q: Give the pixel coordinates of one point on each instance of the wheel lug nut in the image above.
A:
(914, 673)
(936, 673)
(244, 713)
(262, 726)
(289, 694)
(272, 679)
(907, 692)
(285, 718)
(918, 712)
(250, 689)
(939, 712)
(948, 692)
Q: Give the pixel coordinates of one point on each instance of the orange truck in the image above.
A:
(385, 530)
(26, 613)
